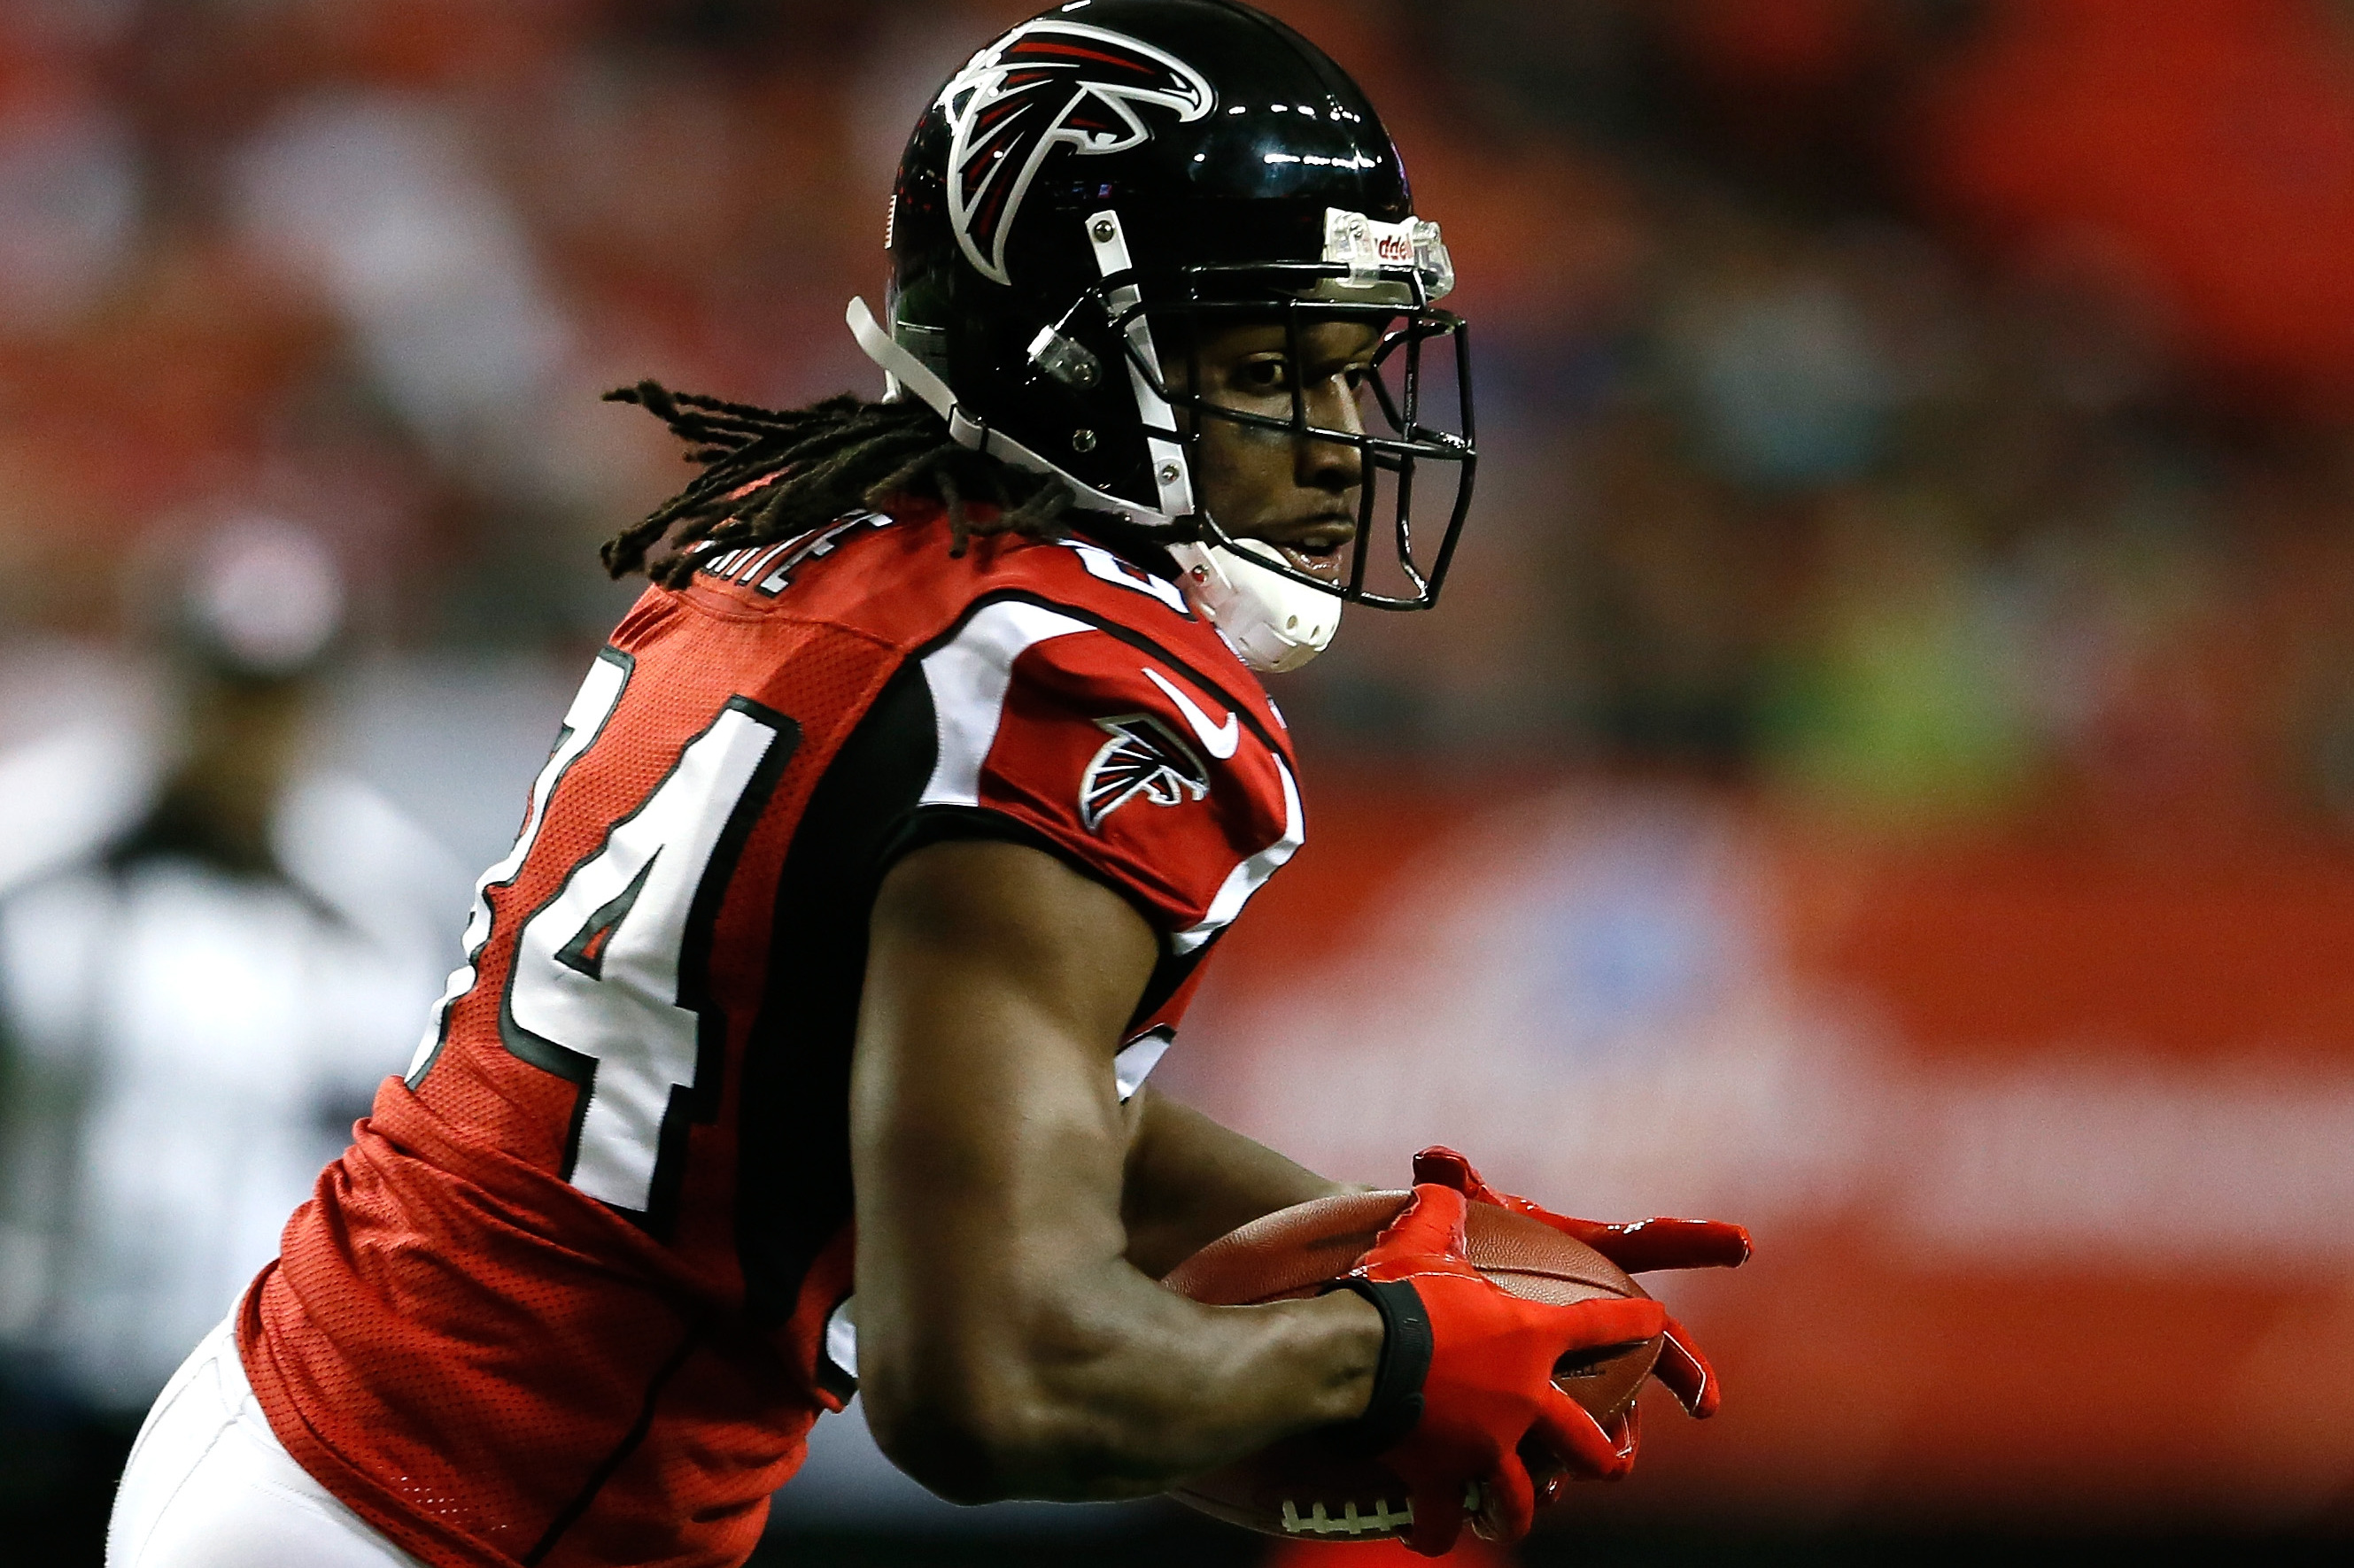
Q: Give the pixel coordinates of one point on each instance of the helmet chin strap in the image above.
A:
(1271, 622)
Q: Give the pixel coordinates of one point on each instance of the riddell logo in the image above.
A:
(1047, 84)
(1394, 250)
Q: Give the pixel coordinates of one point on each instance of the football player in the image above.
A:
(801, 1044)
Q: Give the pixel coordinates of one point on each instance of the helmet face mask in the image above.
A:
(1406, 435)
(1101, 191)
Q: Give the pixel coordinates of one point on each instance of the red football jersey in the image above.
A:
(564, 1300)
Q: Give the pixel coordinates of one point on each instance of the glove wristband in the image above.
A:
(1396, 1403)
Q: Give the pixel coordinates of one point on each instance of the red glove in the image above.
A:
(1489, 1384)
(1638, 1248)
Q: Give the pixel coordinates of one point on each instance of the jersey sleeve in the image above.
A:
(1119, 758)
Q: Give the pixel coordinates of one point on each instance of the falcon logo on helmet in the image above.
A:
(1048, 83)
(1143, 757)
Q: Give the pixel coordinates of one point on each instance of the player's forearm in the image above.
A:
(1106, 1386)
(1007, 1346)
(1188, 1180)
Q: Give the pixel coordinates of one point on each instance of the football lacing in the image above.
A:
(1383, 1521)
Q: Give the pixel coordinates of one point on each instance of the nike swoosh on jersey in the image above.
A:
(1219, 741)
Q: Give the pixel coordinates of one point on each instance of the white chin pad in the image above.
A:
(1271, 622)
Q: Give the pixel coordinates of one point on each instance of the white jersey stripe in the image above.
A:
(1135, 1060)
(1251, 874)
(968, 678)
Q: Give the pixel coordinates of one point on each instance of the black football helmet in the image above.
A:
(1103, 184)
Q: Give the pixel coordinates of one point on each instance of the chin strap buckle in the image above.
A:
(967, 432)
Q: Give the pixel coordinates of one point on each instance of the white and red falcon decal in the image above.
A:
(1049, 83)
(1143, 757)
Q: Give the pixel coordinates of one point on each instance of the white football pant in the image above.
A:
(209, 1485)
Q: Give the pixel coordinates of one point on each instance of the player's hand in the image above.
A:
(1638, 1248)
(1489, 1383)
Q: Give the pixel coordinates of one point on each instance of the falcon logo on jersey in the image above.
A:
(1047, 84)
(1144, 758)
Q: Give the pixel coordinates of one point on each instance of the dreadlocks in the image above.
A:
(770, 475)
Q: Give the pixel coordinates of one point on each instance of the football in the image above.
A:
(1309, 1486)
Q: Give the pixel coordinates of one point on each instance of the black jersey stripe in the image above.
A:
(793, 1190)
(793, 1179)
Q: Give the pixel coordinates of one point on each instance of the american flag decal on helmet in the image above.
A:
(1144, 758)
(1048, 83)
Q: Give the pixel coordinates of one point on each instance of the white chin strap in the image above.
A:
(1271, 622)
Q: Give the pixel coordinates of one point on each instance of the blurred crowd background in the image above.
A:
(1883, 768)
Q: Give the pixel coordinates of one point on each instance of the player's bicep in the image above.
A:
(987, 1140)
